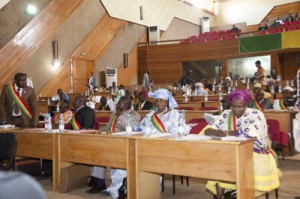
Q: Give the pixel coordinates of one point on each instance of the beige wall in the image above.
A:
(69, 36)
(180, 29)
(124, 42)
(13, 18)
(252, 12)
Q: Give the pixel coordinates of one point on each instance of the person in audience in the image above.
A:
(61, 96)
(288, 101)
(104, 105)
(64, 109)
(120, 93)
(187, 78)
(143, 103)
(96, 96)
(147, 81)
(259, 102)
(219, 81)
(113, 89)
(275, 24)
(207, 84)
(118, 123)
(128, 94)
(264, 26)
(199, 90)
(248, 123)
(257, 86)
(272, 78)
(290, 18)
(260, 74)
(225, 106)
(165, 119)
(135, 99)
(18, 104)
(234, 29)
(92, 81)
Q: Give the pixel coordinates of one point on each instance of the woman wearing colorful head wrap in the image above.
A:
(241, 121)
(165, 119)
(199, 90)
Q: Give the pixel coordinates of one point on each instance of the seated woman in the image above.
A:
(67, 114)
(165, 119)
(246, 122)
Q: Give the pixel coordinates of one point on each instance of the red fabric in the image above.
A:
(196, 120)
(198, 128)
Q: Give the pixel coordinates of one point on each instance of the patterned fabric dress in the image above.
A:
(252, 124)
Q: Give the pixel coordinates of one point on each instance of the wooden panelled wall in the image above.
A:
(165, 61)
(278, 11)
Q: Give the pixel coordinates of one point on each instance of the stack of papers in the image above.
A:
(7, 126)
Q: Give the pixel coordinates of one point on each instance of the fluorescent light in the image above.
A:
(56, 63)
(31, 9)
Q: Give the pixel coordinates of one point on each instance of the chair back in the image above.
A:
(8, 144)
(196, 120)
(274, 130)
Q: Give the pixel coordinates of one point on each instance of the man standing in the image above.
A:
(147, 81)
(187, 78)
(260, 74)
(18, 104)
(92, 81)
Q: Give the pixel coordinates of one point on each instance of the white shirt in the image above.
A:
(20, 93)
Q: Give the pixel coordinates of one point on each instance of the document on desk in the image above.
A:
(233, 138)
(193, 137)
(160, 135)
(7, 126)
(123, 133)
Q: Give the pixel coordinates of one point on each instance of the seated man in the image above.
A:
(143, 103)
(67, 114)
(118, 123)
(288, 101)
(61, 96)
(257, 87)
(259, 102)
(104, 106)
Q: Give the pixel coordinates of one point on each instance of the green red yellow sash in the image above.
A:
(74, 123)
(257, 105)
(282, 106)
(157, 123)
(112, 127)
(20, 102)
(231, 122)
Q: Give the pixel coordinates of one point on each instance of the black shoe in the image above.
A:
(92, 182)
(96, 189)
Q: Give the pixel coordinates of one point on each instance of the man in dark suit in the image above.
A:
(18, 104)
(85, 116)
(143, 103)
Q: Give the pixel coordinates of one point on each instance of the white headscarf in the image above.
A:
(164, 94)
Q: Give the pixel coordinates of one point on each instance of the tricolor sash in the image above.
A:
(157, 123)
(231, 122)
(257, 105)
(282, 106)
(74, 123)
(20, 102)
(112, 127)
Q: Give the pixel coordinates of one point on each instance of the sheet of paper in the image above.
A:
(193, 137)
(123, 133)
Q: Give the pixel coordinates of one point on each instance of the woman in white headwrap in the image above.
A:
(199, 90)
(165, 119)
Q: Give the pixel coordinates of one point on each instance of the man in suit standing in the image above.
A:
(18, 104)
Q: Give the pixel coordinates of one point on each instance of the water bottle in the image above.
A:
(61, 123)
(272, 88)
(287, 83)
(233, 88)
(220, 96)
(229, 90)
(231, 84)
(180, 127)
(49, 125)
(128, 125)
(48, 101)
(247, 87)
(214, 82)
(278, 78)
(205, 98)
(186, 99)
(213, 88)
(279, 88)
(70, 116)
(220, 87)
(46, 121)
(147, 126)
(57, 106)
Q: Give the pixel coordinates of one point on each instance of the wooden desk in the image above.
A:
(99, 150)
(216, 160)
(36, 143)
